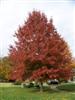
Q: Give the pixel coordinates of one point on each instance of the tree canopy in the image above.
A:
(39, 52)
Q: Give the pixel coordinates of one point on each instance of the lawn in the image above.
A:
(19, 93)
(67, 87)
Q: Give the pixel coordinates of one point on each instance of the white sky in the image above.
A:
(14, 12)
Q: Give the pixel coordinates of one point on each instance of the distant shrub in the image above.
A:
(37, 86)
(31, 85)
(28, 85)
(17, 82)
(3, 79)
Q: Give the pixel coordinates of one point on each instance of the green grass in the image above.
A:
(18, 93)
(67, 87)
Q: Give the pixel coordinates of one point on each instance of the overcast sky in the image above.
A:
(14, 12)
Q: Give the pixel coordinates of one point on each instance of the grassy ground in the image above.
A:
(67, 87)
(17, 93)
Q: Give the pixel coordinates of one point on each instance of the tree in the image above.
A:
(5, 68)
(73, 63)
(40, 52)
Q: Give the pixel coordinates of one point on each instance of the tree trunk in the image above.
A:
(41, 86)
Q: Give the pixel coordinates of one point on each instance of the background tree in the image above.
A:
(73, 68)
(40, 52)
(73, 63)
(5, 68)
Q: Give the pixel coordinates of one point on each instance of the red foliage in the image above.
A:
(38, 40)
(44, 72)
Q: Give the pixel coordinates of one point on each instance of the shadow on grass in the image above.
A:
(45, 89)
